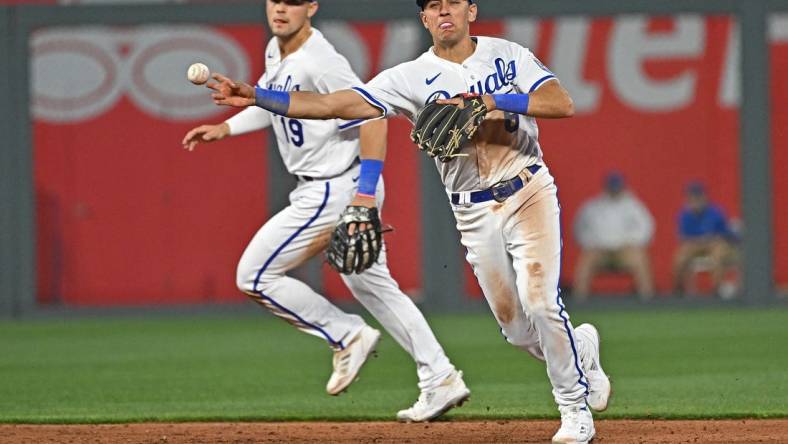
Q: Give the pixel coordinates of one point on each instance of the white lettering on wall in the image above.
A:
(80, 73)
(730, 82)
(568, 56)
(631, 45)
(524, 31)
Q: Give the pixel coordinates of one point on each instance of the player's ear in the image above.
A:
(423, 18)
(472, 11)
(312, 9)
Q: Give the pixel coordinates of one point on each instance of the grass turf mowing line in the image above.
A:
(664, 364)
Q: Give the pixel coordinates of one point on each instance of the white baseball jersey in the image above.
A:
(513, 246)
(326, 150)
(505, 143)
(314, 148)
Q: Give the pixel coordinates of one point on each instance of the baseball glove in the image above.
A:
(440, 130)
(354, 253)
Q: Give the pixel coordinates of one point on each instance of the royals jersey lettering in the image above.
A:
(505, 143)
(314, 148)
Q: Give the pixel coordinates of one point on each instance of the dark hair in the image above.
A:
(421, 3)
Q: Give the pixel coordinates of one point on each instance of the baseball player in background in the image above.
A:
(502, 194)
(324, 156)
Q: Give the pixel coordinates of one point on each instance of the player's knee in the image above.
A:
(242, 281)
(541, 310)
(522, 340)
(247, 280)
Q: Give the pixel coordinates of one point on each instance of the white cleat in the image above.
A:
(577, 425)
(348, 361)
(433, 403)
(599, 384)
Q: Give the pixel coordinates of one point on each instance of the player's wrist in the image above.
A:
(225, 130)
(489, 102)
(277, 102)
(513, 103)
(368, 177)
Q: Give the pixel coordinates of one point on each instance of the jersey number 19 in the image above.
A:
(296, 133)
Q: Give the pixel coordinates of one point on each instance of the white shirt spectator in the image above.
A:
(612, 222)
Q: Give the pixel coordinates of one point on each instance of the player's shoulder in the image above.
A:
(499, 44)
(319, 48)
(416, 66)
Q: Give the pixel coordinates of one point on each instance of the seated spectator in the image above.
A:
(705, 234)
(614, 230)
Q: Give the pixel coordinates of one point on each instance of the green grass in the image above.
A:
(667, 364)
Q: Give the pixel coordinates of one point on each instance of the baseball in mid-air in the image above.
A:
(198, 73)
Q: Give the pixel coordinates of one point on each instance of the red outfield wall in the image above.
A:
(126, 217)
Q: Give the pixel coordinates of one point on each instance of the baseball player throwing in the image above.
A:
(324, 156)
(502, 194)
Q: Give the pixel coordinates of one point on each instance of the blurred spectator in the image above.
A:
(707, 242)
(614, 230)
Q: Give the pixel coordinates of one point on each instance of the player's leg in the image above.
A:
(534, 242)
(480, 231)
(380, 294)
(586, 267)
(441, 386)
(288, 239)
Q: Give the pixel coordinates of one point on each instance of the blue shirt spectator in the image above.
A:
(709, 221)
(701, 220)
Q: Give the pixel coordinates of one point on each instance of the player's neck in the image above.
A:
(291, 43)
(456, 52)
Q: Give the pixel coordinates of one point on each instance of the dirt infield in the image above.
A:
(608, 431)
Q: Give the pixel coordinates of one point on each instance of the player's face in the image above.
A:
(287, 17)
(448, 21)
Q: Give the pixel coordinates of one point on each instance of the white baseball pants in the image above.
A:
(514, 248)
(301, 231)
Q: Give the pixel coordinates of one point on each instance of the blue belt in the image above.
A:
(498, 192)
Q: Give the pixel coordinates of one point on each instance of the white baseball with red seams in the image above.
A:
(198, 73)
(326, 151)
(514, 246)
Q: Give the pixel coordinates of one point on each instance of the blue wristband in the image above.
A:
(369, 175)
(277, 102)
(513, 103)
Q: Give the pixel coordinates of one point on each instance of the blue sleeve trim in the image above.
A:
(371, 100)
(351, 123)
(540, 81)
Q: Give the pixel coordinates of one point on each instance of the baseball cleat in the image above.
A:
(348, 361)
(433, 403)
(577, 425)
(599, 387)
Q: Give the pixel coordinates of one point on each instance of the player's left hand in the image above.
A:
(361, 201)
(443, 126)
(231, 92)
(351, 248)
(459, 101)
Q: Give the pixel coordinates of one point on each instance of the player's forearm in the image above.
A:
(310, 105)
(372, 139)
(249, 120)
(549, 101)
(553, 107)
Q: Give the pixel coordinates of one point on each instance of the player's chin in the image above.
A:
(281, 30)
